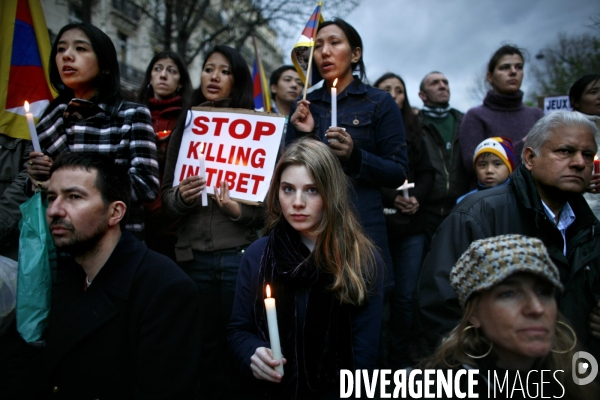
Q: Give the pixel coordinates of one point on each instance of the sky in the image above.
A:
(457, 37)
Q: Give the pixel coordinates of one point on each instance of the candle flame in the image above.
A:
(202, 148)
(26, 105)
(596, 157)
(268, 291)
(335, 82)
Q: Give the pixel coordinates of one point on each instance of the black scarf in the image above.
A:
(318, 349)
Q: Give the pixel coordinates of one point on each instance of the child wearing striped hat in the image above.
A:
(493, 161)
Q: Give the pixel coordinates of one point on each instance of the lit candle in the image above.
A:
(203, 175)
(596, 165)
(32, 131)
(405, 188)
(273, 330)
(334, 104)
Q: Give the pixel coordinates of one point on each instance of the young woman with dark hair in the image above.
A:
(326, 278)
(502, 112)
(166, 90)
(407, 232)
(211, 240)
(90, 115)
(369, 140)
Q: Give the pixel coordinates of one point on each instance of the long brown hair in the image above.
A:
(342, 249)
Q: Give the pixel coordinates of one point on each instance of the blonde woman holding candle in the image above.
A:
(369, 138)
(324, 274)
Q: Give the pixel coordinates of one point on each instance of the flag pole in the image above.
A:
(308, 70)
(259, 69)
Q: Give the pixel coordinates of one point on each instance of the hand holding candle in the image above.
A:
(405, 188)
(202, 173)
(273, 330)
(32, 131)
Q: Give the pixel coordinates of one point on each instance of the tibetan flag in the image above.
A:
(301, 50)
(24, 54)
(261, 93)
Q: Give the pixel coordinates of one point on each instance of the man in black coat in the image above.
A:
(124, 319)
(543, 200)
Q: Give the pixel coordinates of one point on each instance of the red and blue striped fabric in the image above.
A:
(24, 55)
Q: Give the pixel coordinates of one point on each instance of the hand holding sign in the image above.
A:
(230, 207)
(191, 188)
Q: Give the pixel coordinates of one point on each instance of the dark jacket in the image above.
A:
(132, 334)
(422, 174)
(373, 120)
(14, 154)
(514, 208)
(451, 178)
(205, 229)
(243, 332)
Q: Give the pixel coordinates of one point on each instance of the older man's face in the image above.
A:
(565, 162)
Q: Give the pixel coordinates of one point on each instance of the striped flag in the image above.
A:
(24, 54)
(260, 85)
(301, 50)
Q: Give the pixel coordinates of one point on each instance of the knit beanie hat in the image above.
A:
(502, 147)
(489, 261)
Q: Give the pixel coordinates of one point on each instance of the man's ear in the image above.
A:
(423, 96)
(116, 212)
(273, 88)
(488, 77)
(528, 156)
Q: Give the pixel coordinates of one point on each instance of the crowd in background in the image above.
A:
(344, 248)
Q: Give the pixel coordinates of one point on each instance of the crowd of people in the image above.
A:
(490, 261)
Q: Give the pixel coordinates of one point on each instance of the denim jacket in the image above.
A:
(373, 120)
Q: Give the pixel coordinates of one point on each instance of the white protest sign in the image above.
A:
(239, 147)
(556, 103)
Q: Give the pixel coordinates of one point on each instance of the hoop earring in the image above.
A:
(470, 355)
(574, 339)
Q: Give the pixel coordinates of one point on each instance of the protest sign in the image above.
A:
(556, 103)
(237, 146)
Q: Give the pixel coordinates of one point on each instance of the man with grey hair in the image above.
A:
(544, 200)
(441, 124)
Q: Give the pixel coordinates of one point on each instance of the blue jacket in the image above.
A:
(374, 122)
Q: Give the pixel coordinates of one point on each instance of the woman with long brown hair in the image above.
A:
(324, 274)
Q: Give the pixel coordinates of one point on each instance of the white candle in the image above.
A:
(405, 188)
(334, 104)
(202, 172)
(32, 131)
(273, 330)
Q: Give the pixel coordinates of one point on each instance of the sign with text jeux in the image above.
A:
(238, 146)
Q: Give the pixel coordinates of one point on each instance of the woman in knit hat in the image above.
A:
(511, 326)
(494, 161)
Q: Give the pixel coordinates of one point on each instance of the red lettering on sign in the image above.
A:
(242, 182)
(219, 123)
(263, 129)
(247, 128)
(193, 150)
(259, 162)
(257, 180)
(203, 127)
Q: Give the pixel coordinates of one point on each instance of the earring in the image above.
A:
(470, 355)
(574, 339)
(149, 87)
(178, 89)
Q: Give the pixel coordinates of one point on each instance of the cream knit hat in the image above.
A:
(489, 261)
